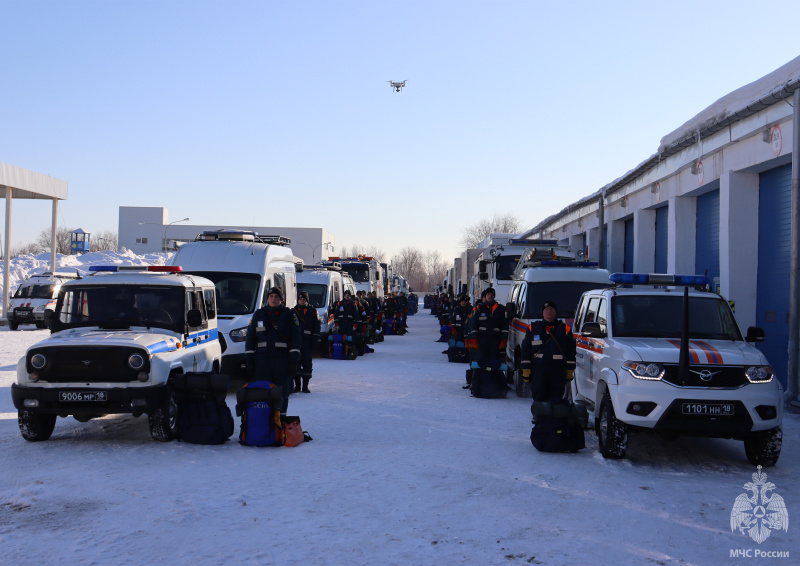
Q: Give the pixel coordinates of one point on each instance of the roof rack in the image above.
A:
(330, 266)
(241, 236)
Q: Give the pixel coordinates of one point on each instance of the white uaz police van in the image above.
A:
(546, 272)
(34, 301)
(325, 285)
(673, 360)
(117, 339)
(243, 266)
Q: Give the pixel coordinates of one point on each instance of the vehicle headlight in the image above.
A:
(40, 308)
(238, 335)
(644, 370)
(136, 361)
(755, 374)
(38, 361)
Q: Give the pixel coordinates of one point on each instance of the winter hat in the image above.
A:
(303, 295)
(487, 291)
(276, 291)
(549, 304)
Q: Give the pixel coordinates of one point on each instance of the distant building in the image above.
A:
(147, 229)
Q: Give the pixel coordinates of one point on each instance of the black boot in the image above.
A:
(305, 385)
(297, 384)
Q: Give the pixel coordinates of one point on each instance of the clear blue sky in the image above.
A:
(279, 113)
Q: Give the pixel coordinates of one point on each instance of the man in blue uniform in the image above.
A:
(548, 351)
(273, 344)
(310, 328)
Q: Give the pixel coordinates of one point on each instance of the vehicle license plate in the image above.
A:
(81, 396)
(713, 409)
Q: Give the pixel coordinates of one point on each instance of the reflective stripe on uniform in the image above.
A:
(280, 344)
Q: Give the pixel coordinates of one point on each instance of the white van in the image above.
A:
(243, 266)
(545, 273)
(35, 300)
(325, 284)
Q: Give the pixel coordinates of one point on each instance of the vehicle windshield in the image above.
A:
(317, 294)
(505, 265)
(660, 316)
(35, 292)
(358, 271)
(237, 293)
(122, 306)
(565, 294)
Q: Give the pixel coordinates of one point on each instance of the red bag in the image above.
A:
(292, 431)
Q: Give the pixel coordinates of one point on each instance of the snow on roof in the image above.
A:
(735, 101)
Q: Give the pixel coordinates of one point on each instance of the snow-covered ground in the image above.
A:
(405, 468)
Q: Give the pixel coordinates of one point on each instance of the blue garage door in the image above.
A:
(706, 260)
(774, 254)
(662, 215)
(627, 262)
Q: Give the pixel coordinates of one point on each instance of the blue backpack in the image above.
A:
(259, 405)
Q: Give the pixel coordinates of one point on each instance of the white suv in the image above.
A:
(629, 370)
(117, 339)
(35, 300)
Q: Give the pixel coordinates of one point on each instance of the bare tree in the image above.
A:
(26, 249)
(62, 240)
(358, 249)
(410, 264)
(435, 269)
(104, 241)
(498, 223)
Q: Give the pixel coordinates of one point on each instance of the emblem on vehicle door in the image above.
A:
(705, 374)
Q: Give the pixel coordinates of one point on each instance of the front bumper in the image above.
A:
(755, 407)
(120, 400)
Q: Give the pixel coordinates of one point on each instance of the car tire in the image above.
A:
(612, 434)
(763, 448)
(40, 324)
(13, 324)
(163, 422)
(36, 427)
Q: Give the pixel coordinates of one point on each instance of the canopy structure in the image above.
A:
(19, 183)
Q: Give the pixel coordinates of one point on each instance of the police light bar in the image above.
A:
(524, 242)
(118, 268)
(659, 279)
(556, 263)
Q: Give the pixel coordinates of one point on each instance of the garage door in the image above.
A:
(707, 245)
(774, 254)
(627, 264)
(662, 215)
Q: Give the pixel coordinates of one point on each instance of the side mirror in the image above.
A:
(483, 276)
(592, 330)
(511, 311)
(194, 318)
(482, 267)
(755, 334)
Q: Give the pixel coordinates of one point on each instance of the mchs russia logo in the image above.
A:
(759, 512)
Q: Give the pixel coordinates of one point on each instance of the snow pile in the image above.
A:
(24, 266)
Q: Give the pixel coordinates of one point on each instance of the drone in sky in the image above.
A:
(397, 86)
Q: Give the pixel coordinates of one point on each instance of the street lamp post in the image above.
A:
(314, 249)
(166, 248)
